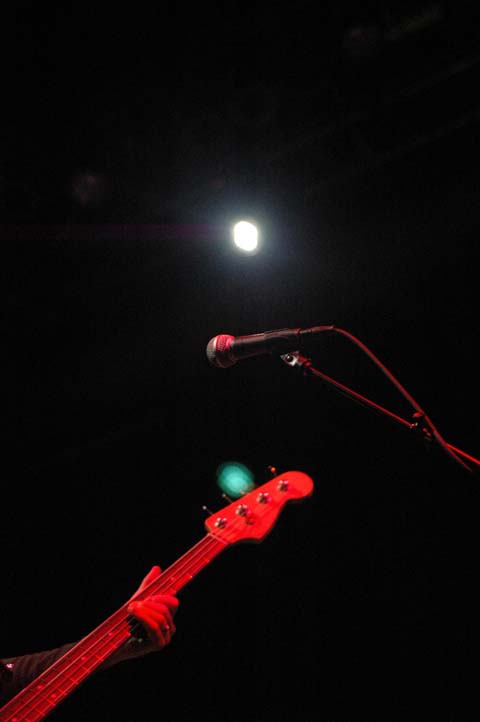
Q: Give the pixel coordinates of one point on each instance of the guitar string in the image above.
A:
(116, 634)
(100, 643)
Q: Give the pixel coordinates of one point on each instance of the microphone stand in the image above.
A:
(421, 423)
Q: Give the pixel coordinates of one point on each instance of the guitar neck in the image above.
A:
(41, 696)
(251, 518)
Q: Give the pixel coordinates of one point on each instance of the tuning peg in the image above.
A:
(227, 498)
(207, 510)
(272, 470)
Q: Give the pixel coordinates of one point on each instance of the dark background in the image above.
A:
(131, 138)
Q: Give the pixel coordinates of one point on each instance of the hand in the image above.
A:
(155, 613)
(154, 616)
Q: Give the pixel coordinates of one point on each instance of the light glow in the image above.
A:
(234, 479)
(245, 236)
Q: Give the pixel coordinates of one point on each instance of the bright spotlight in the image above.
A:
(245, 236)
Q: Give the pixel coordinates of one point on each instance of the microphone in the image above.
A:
(224, 350)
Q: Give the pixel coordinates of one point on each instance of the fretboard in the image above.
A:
(41, 696)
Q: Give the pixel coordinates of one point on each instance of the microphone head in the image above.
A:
(218, 351)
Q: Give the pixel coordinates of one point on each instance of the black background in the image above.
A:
(131, 138)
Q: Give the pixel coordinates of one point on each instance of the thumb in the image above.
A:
(154, 572)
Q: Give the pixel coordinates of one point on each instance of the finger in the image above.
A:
(165, 603)
(154, 572)
(159, 612)
(157, 626)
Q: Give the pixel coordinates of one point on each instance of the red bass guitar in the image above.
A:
(247, 519)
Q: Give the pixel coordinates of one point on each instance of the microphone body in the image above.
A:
(225, 350)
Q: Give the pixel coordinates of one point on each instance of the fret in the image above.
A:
(232, 525)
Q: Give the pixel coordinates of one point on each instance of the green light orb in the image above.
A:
(234, 479)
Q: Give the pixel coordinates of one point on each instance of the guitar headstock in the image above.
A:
(252, 516)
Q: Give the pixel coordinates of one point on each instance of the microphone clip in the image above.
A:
(295, 360)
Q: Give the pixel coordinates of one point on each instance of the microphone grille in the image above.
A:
(217, 350)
